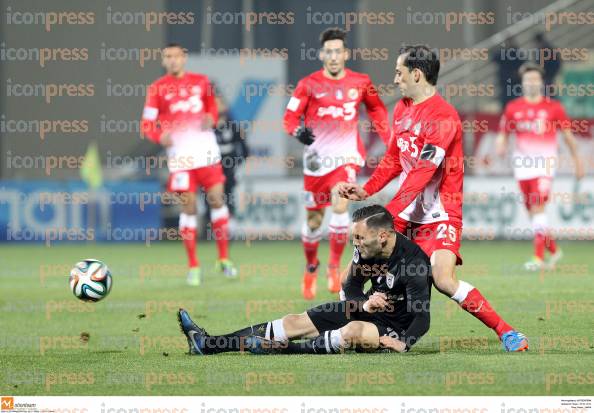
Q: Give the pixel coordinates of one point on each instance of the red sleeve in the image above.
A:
(296, 108)
(377, 112)
(210, 103)
(388, 169)
(439, 137)
(150, 114)
(504, 123)
(561, 118)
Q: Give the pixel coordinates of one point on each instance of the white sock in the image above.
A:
(276, 327)
(308, 235)
(463, 289)
(187, 221)
(219, 213)
(336, 341)
(339, 223)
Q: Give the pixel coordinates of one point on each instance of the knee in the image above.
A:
(293, 321)
(352, 332)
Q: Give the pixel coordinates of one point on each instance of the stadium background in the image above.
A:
(116, 62)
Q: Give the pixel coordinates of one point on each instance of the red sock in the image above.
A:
(539, 245)
(478, 306)
(337, 241)
(189, 239)
(220, 229)
(311, 252)
(550, 243)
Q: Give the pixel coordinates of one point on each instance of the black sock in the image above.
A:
(318, 345)
(234, 341)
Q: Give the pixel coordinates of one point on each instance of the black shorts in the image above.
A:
(334, 315)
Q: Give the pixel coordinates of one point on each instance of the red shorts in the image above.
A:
(536, 191)
(190, 180)
(318, 189)
(444, 235)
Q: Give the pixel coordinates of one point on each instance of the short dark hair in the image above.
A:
(375, 216)
(333, 33)
(420, 56)
(530, 67)
(173, 44)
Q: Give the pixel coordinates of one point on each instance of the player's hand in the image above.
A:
(353, 192)
(166, 139)
(304, 135)
(392, 344)
(376, 302)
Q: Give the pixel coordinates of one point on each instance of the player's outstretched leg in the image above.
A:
(202, 343)
(472, 301)
(311, 233)
(356, 334)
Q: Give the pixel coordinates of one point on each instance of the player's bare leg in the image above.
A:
(219, 219)
(443, 264)
(311, 234)
(542, 239)
(187, 228)
(338, 236)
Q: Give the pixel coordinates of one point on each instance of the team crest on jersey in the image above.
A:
(339, 94)
(356, 256)
(353, 94)
(390, 279)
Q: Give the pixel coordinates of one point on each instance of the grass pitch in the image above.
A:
(129, 344)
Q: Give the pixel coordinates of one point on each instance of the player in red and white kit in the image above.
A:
(179, 113)
(535, 120)
(425, 153)
(329, 101)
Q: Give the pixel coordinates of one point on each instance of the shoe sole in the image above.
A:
(181, 328)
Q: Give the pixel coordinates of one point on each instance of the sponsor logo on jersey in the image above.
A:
(339, 94)
(390, 279)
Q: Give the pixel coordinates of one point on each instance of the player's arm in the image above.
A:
(211, 112)
(149, 126)
(353, 285)
(294, 112)
(573, 150)
(430, 158)
(377, 112)
(388, 169)
(418, 298)
(565, 125)
(504, 130)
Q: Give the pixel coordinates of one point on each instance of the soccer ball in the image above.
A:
(90, 280)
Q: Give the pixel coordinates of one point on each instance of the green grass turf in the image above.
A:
(41, 322)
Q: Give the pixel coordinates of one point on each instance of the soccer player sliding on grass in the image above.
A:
(392, 315)
(425, 152)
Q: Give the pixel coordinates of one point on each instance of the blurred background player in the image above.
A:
(329, 100)
(234, 151)
(534, 119)
(179, 113)
(426, 154)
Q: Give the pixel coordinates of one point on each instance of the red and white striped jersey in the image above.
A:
(179, 106)
(426, 153)
(331, 109)
(535, 126)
